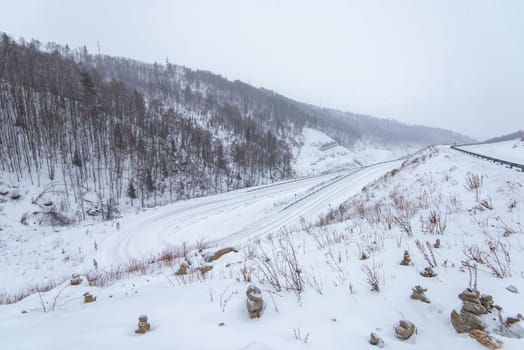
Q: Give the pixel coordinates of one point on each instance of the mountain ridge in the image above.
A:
(109, 131)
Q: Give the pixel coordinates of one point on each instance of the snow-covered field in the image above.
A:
(511, 151)
(316, 270)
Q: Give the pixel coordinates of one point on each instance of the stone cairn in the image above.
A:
(437, 244)
(143, 325)
(418, 294)
(404, 329)
(75, 279)
(473, 306)
(88, 298)
(406, 260)
(376, 340)
(428, 272)
(254, 303)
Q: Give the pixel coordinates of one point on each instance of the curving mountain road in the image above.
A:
(234, 217)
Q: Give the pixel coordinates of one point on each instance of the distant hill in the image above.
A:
(111, 129)
(513, 135)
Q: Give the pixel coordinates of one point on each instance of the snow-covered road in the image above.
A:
(233, 217)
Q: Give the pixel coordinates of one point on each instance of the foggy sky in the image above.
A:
(446, 63)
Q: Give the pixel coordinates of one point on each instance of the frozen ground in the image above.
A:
(314, 281)
(511, 151)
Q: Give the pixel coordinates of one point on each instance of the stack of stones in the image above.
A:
(376, 340)
(474, 306)
(143, 325)
(75, 279)
(89, 298)
(404, 329)
(254, 303)
(428, 272)
(418, 294)
(406, 260)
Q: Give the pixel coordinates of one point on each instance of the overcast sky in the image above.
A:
(444, 63)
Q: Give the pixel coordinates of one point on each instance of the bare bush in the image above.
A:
(437, 223)
(280, 267)
(246, 271)
(16, 297)
(403, 221)
(267, 266)
(327, 236)
(486, 204)
(473, 184)
(372, 277)
(293, 271)
(298, 335)
(314, 279)
(495, 256)
(341, 273)
(508, 230)
(427, 252)
(473, 274)
(403, 213)
(136, 266)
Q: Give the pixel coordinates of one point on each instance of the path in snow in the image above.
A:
(234, 217)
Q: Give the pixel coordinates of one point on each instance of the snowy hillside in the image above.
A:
(510, 151)
(329, 274)
(319, 153)
(107, 132)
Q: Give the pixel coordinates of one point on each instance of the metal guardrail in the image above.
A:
(494, 160)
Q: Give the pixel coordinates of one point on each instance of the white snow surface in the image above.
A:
(336, 310)
(319, 154)
(32, 255)
(511, 151)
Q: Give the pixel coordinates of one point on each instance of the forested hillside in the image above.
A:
(507, 137)
(95, 130)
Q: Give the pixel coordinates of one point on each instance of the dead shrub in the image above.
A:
(486, 204)
(372, 277)
(495, 256)
(6, 298)
(473, 184)
(136, 266)
(427, 252)
(436, 222)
